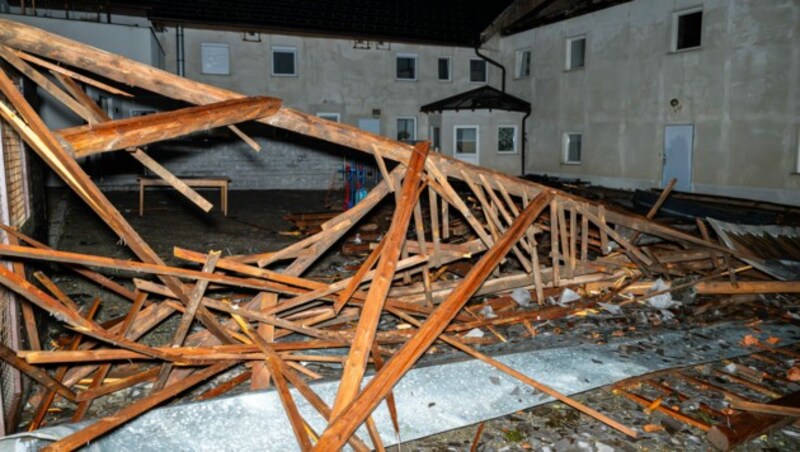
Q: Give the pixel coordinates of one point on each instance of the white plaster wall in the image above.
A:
(741, 90)
(487, 123)
(333, 77)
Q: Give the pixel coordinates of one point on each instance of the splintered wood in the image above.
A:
(520, 235)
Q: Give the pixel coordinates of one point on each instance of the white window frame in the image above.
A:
(283, 49)
(330, 116)
(477, 140)
(673, 45)
(412, 56)
(568, 53)
(515, 148)
(205, 54)
(797, 169)
(520, 54)
(449, 69)
(485, 71)
(397, 129)
(565, 149)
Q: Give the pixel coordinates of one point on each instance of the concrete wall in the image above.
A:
(740, 89)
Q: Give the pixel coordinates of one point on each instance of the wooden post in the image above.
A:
(373, 306)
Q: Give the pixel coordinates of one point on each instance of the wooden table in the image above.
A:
(209, 182)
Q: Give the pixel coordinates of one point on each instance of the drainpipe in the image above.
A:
(179, 51)
(524, 142)
(494, 63)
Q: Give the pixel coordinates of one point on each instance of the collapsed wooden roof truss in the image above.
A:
(516, 214)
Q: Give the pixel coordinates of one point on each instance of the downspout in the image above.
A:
(494, 63)
(179, 51)
(524, 142)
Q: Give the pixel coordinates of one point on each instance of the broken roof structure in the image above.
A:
(514, 220)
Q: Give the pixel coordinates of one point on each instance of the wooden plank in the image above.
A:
(657, 205)
(36, 134)
(493, 221)
(106, 424)
(71, 74)
(47, 400)
(433, 209)
(83, 271)
(357, 411)
(273, 361)
(584, 239)
(356, 363)
(358, 277)
(554, 255)
(99, 115)
(261, 376)
(44, 83)
(195, 299)
(246, 138)
(745, 426)
(142, 130)
(605, 230)
(745, 287)
(28, 316)
(102, 371)
(382, 165)
(42, 377)
(766, 408)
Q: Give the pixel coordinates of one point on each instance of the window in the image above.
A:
(507, 139)
(406, 66)
(523, 64)
(443, 69)
(477, 71)
(573, 143)
(687, 29)
(284, 61)
(436, 138)
(466, 138)
(407, 129)
(329, 116)
(576, 52)
(214, 59)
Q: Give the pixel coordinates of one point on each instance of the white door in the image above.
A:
(678, 149)
(466, 146)
(370, 125)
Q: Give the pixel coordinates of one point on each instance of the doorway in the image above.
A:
(678, 150)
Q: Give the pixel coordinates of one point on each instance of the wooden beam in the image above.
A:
(356, 362)
(71, 74)
(745, 426)
(44, 83)
(743, 287)
(142, 130)
(36, 134)
(106, 424)
(101, 116)
(357, 411)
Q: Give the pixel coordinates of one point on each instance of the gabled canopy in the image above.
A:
(483, 98)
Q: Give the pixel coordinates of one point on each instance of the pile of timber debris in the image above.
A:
(526, 235)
